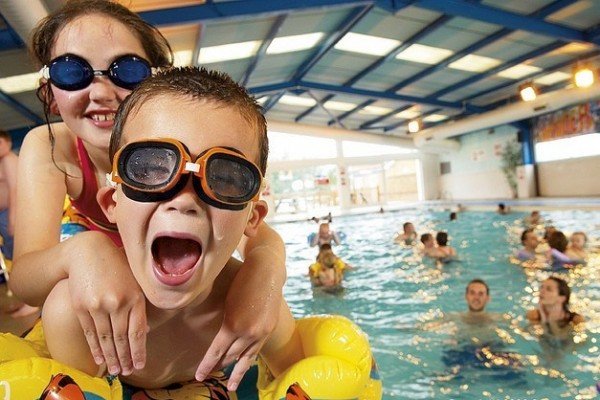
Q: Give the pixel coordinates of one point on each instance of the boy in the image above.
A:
(329, 269)
(185, 150)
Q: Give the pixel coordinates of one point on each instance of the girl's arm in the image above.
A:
(251, 306)
(105, 296)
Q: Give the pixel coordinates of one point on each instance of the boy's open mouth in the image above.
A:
(175, 256)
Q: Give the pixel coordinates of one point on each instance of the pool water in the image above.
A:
(410, 308)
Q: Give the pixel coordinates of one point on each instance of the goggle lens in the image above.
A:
(70, 72)
(150, 168)
(231, 180)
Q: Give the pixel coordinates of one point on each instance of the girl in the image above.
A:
(93, 52)
(576, 249)
(553, 309)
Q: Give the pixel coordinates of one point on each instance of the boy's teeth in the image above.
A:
(103, 117)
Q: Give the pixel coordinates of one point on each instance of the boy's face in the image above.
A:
(177, 247)
(477, 296)
(531, 241)
(578, 241)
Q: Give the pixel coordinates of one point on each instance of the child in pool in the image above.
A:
(325, 236)
(530, 242)
(189, 149)
(558, 245)
(408, 235)
(576, 249)
(71, 158)
(329, 268)
(445, 252)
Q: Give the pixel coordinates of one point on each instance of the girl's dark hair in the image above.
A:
(558, 241)
(198, 84)
(442, 238)
(44, 36)
(563, 290)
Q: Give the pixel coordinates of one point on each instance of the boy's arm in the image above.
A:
(250, 307)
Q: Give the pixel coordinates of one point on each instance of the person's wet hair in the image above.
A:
(453, 216)
(426, 237)
(558, 241)
(563, 290)
(441, 238)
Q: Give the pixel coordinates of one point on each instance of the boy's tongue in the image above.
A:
(176, 256)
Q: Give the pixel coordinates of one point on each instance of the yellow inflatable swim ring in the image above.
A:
(338, 365)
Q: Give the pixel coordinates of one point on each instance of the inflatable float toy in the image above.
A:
(338, 365)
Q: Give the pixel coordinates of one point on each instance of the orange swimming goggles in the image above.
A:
(153, 170)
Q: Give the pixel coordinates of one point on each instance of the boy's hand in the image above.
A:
(250, 317)
(110, 305)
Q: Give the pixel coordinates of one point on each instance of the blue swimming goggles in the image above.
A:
(71, 72)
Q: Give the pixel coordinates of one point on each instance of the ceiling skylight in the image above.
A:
(20, 83)
(225, 52)
(287, 44)
(339, 105)
(408, 114)
(297, 101)
(435, 118)
(367, 44)
(424, 54)
(519, 71)
(375, 110)
(552, 78)
(475, 63)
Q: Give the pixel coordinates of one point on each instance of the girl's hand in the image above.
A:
(109, 303)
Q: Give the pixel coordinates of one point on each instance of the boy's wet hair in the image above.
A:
(325, 246)
(198, 84)
(45, 33)
(425, 237)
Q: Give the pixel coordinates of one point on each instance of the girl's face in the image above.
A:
(549, 295)
(99, 39)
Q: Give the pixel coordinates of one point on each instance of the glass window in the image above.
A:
(287, 146)
(572, 147)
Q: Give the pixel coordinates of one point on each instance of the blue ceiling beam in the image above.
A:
(263, 48)
(334, 37)
(390, 56)
(476, 78)
(9, 40)
(397, 124)
(345, 114)
(554, 68)
(541, 13)
(20, 108)
(372, 94)
(492, 15)
(240, 9)
(271, 88)
(272, 101)
(374, 121)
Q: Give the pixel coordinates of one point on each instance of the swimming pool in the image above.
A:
(408, 307)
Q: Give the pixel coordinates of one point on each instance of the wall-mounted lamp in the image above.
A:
(583, 76)
(527, 91)
(414, 126)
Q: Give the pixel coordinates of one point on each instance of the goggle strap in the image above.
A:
(192, 167)
(110, 181)
(44, 72)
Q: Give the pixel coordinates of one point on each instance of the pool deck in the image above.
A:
(535, 203)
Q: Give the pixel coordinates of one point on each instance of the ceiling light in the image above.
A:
(552, 78)
(339, 105)
(475, 63)
(519, 71)
(20, 83)
(414, 126)
(375, 110)
(225, 52)
(527, 91)
(435, 118)
(366, 44)
(424, 54)
(288, 44)
(297, 101)
(408, 114)
(584, 76)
